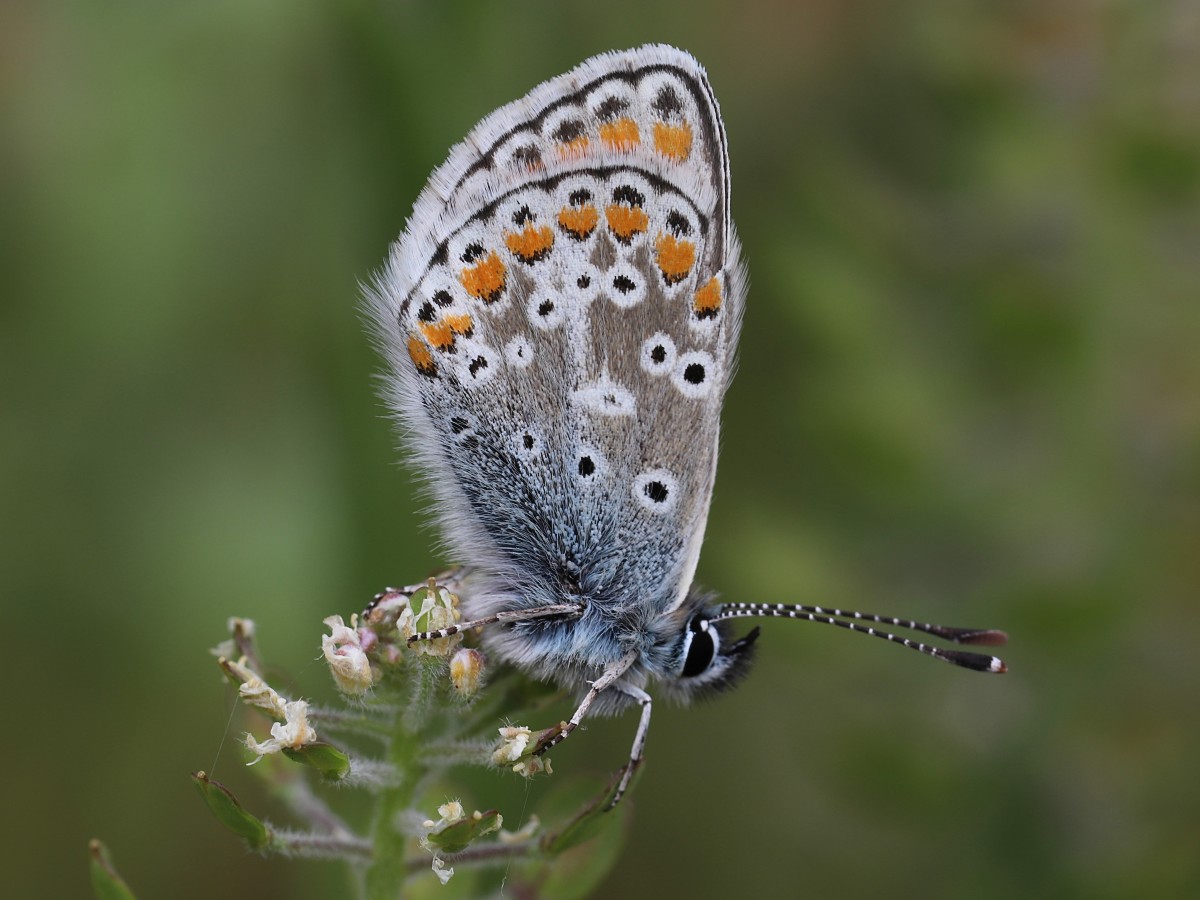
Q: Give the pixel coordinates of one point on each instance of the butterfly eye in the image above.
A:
(701, 648)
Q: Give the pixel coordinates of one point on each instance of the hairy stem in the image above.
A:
(320, 846)
(483, 854)
(385, 876)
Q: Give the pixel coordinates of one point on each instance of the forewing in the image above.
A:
(560, 317)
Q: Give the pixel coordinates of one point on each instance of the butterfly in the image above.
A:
(559, 320)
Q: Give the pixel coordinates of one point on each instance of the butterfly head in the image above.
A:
(702, 654)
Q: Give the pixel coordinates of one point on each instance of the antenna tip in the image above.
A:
(997, 666)
(988, 637)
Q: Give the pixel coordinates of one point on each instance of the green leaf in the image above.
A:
(106, 883)
(588, 822)
(230, 813)
(457, 836)
(327, 759)
(578, 872)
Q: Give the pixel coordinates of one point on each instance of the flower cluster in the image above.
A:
(409, 713)
(514, 747)
(358, 653)
(291, 730)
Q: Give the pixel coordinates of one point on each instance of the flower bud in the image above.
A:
(466, 671)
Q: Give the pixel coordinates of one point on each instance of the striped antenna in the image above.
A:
(980, 662)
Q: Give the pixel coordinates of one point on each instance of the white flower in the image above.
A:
(535, 765)
(513, 741)
(443, 872)
(348, 662)
(294, 732)
(451, 812)
(341, 632)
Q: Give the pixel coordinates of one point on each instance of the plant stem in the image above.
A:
(385, 876)
(320, 846)
(477, 855)
(299, 796)
(344, 722)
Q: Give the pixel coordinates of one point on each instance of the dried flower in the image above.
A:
(294, 732)
(257, 693)
(347, 660)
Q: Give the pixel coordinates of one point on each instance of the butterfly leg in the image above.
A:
(554, 736)
(520, 615)
(638, 751)
(450, 580)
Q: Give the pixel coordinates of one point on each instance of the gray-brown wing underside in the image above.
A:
(563, 311)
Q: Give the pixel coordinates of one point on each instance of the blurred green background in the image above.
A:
(968, 393)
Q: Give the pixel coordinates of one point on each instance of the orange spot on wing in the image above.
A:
(675, 257)
(438, 334)
(441, 334)
(620, 135)
(421, 357)
(673, 141)
(460, 323)
(485, 279)
(707, 301)
(578, 222)
(531, 244)
(626, 221)
(573, 148)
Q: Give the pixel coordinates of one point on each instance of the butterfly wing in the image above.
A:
(560, 317)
